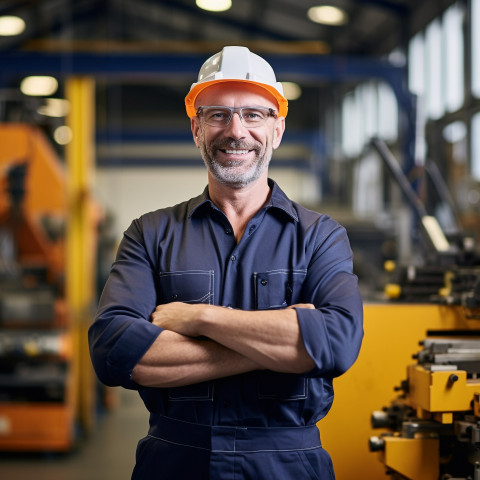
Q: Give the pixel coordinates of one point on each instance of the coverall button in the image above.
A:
(264, 282)
(228, 231)
(174, 296)
(233, 258)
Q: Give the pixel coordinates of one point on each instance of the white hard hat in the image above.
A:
(237, 64)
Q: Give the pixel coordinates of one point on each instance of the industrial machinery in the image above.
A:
(431, 430)
(433, 426)
(38, 371)
(449, 270)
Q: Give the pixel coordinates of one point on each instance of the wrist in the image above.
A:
(202, 317)
(206, 318)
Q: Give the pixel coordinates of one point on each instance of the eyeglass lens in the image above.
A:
(221, 116)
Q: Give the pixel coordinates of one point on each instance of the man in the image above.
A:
(232, 312)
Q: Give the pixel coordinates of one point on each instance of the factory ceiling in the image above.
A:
(280, 26)
(122, 28)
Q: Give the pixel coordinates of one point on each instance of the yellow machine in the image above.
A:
(431, 431)
(392, 334)
(431, 428)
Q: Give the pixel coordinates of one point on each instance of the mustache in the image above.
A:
(224, 144)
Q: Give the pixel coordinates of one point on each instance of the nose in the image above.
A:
(235, 128)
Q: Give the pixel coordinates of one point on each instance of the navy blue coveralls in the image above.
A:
(261, 424)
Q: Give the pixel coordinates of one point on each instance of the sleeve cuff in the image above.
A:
(129, 349)
(315, 339)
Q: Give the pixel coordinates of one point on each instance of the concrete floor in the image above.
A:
(107, 454)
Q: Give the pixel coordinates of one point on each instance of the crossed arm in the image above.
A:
(204, 342)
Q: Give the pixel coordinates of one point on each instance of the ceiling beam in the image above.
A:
(398, 9)
(131, 62)
(204, 47)
(247, 27)
(141, 66)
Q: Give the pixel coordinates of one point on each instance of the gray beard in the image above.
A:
(227, 174)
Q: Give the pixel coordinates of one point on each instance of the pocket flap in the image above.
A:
(191, 286)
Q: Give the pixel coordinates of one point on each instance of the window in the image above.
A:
(416, 65)
(475, 47)
(387, 113)
(369, 110)
(475, 147)
(453, 59)
(351, 142)
(434, 100)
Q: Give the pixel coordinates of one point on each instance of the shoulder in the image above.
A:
(322, 232)
(171, 213)
(312, 223)
(306, 218)
(152, 224)
(312, 219)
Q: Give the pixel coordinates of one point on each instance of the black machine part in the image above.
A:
(429, 224)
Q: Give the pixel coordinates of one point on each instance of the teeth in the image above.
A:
(236, 152)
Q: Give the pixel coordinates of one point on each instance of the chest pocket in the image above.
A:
(278, 288)
(190, 286)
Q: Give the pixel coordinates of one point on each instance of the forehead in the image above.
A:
(235, 95)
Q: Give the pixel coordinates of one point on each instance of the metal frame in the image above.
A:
(150, 65)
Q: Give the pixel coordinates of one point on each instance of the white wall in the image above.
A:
(129, 192)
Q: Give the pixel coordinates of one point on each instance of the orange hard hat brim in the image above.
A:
(195, 91)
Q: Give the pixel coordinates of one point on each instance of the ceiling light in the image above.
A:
(63, 135)
(291, 90)
(39, 86)
(327, 15)
(10, 25)
(214, 5)
(55, 107)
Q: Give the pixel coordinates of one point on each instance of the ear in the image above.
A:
(195, 126)
(278, 130)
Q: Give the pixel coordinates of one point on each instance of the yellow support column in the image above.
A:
(81, 240)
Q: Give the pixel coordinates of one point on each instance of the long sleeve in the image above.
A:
(333, 332)
(122, 332)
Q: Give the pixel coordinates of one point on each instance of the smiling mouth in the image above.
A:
(236, 152)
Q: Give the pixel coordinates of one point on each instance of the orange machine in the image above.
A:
(38, 371)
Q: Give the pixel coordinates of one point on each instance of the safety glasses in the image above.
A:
(220, 116)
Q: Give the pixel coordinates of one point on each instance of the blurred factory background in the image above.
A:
(383, 134)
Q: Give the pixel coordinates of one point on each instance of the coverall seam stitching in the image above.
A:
(234, 450)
